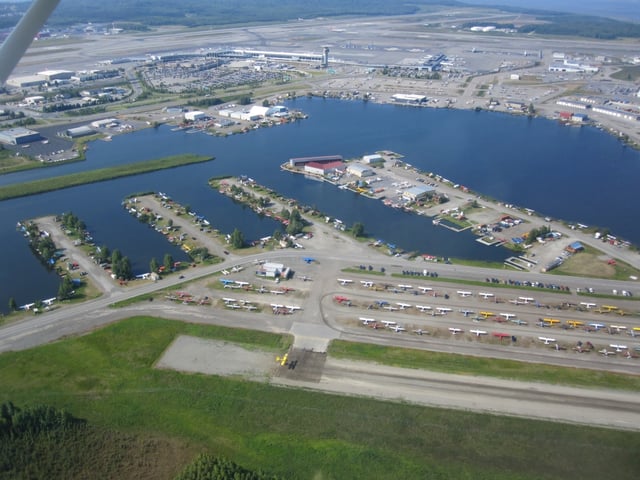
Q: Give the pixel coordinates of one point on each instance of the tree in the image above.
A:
(116, 256)
(153, 265)
(124, 269)
(65, 290)
(237, 239)
(13, 306)
(357, 230)
(277, 235)
(168, 261)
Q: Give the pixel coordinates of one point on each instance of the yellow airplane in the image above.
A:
(487, 314)
(610, 308)
(550, 321)
(574, 323)
(283, 360)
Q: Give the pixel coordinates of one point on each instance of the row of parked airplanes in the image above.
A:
(232, 303)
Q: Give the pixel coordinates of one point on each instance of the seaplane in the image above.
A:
(588, 305)
(49, 301)
(477, 333)
(341, 299)
(366, 283)
(517, 321)
(426, 289)
(403, 306)
(547, 340)
(597, 326)
(443, 310)
(143, 276)
(344, 281)
(508, 316)
(27, 306)
(464, 293)
(397, 328)
(485, 295)
(455, 331)
(619, 348)
(606, 352)
(501, 335)
(388, 323)
(423, 308)
(466, 313)
(367, 321)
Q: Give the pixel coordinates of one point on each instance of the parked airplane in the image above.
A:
(547, 340)
(487, 314)
(276, 305)
(366, 283)
(276, 292)
(574, 323)
(619, 348)
(225, 272)
(508, 316)
(404, 287)
(466, 313)
(606, 352)
(517, 321)
(550, 321)
(366, 321)
(27, 306)
(526, 299)
(344, 281)
(634, 331)
(309, 259)
(403, 306)
(341, 299)
(455, 331)
(229, 300)
(617, 328)
(49, 301)
(419, 331)
(478, 332)
(390, 308)
(588, 305)
(242, 284)
(232, 305)
(382, 303)
(597, 326)
(292, 308)
(227, 281)
(426, 289)
(501, 335)
(423, 308)
(464, 293)
(397, 328)
(444, 310)
(609, 308)
(387, 323)
(250, 307)
(485, 295)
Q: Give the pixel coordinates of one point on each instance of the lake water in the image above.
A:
(578, 174)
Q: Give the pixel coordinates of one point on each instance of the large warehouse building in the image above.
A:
(19, 136)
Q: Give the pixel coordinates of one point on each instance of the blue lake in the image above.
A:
(577, 174)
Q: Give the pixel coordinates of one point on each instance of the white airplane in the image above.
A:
(387, 323)
(485, 295)
(229, 300)
(405, 287)
(466, 313)
(588, 305)
(27, 306)
(443, 310)
(292, 308)
(478, 332)
(419, 331)
(49, 301)
(508, 316)
(517, 321)
(517, 302)
(275, 305)
(606, 352)
(403, 306)
(390, 308)
(242, 284)
(619, 348)
(276, 292)
(397, 328)
(547, 340)
(367, 321)
(423, 308)
(250, 307)
(597, 326)
(366, 283)
(225, 272)
(237, 268)
(463, 293)
(454, 330)
(426, 289)
(232, 305)
(618, 328)
(344, 281)
(526, 299)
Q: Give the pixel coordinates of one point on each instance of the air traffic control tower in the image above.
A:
(325, 57)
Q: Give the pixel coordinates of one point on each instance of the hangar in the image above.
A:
(415, 194)
(19, 136)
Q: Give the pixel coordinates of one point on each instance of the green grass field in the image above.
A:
(108, 378)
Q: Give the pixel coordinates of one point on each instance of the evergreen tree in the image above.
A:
(168, 261)
(237, 239)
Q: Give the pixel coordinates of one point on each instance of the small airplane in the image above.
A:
(443, 310)
(382, 303)
(464, 294)
(526, 299)
(574, 323)
(487, 314)
(367, 321)
(397, 328)
(419, 331)
(242, 284)
(634, 331)
(501, 335)
(249, 307)
(547, 340)
(550, 321)
(344, 281)
(619, 348)
(588, 305)
(341, 299)
(388, 323)
(229, 300)
(390, 308)
(404, 287)
(606, 352)
(517, 321)
(508, 316)
(423, 308)
(597, 326)
(225, 272)
(426, 289)
(403, 306)
(455, 331)
(276, 292)
(227, 281)
(617, 328)
(292, 308)
(366, 283)
(262, 289)
(49, 301)
(610, 308)
(485, 295)
(466, 313)
(478, 332)
(276, 305)
(232, 305)
(309, 259)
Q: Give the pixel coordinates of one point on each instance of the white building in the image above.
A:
(372, 159)
(194, 116)
(359, 170)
